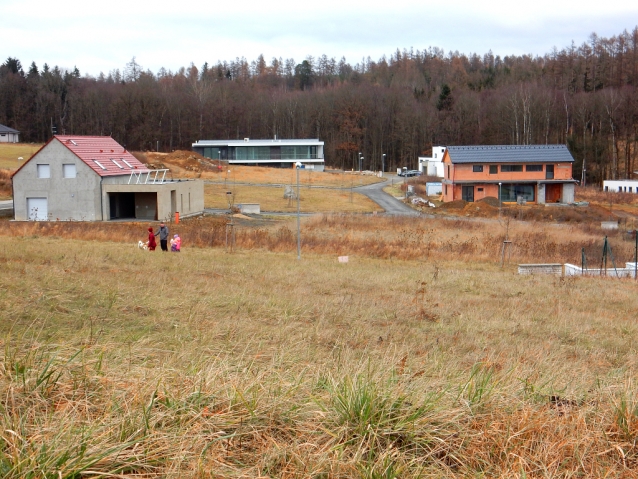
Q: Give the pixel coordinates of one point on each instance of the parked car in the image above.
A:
(410, 173)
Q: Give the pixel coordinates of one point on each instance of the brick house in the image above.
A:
(536, 173)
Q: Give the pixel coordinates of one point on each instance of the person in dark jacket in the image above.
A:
(163, 236)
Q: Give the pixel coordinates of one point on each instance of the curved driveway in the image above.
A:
(389, 203)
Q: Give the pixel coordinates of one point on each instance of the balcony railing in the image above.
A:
(150, 177)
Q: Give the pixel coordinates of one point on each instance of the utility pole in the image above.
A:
(298, 166)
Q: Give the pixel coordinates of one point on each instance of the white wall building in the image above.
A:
(9, 135)
(621, 186)
(275, 153)
(432, 166)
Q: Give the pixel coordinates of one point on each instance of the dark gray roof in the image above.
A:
(510, 154)
(6, 129)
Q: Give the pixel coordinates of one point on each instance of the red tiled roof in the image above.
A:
(102, 154)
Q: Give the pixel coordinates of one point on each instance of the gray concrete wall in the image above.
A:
(541, 194)
(76, 199)
(568, 193)
(546, 268)
(189, 196)
(250, 208)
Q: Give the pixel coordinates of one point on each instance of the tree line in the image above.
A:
(582, 96)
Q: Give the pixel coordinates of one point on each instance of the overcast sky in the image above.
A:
(102, 36)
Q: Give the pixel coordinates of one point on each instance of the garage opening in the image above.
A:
(37, 209)
(132, 206)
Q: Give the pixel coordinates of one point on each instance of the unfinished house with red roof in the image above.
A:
(94, 178)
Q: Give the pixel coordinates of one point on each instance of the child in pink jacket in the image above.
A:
(176, 244)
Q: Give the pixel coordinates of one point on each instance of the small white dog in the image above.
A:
(142, 245)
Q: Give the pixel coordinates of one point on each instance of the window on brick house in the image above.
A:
(511, 168)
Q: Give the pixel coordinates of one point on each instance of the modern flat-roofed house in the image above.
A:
(621, 186)
(276, 153)
(433, 166)
(94, 178)
(9, 135)
(534, 173)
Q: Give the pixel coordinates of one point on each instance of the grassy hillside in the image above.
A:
(253, 364)
(10, 152)
(311, 200)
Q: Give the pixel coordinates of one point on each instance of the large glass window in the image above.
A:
(212, 153)
(510, 192)
(252, 153)
(298, 152)
(493, 169)
(477, 168)
(511, 168)
(533, 167)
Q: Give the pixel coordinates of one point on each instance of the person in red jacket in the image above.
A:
(151, 240)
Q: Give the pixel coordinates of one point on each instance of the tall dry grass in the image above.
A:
(595, 194)
(6, 189)
(374, 236)
(120, 363)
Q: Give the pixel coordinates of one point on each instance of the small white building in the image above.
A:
(9, 135)
(432, 166)
(621, 186)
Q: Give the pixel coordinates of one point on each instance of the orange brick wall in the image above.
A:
(464, 172)
(562, 171)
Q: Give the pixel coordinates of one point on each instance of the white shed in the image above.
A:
(9, 135)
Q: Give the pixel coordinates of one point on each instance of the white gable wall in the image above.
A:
(433, 166)
(76, 199)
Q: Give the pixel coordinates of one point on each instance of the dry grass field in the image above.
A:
(419, 358)
(10, 152)
(187, 164)
(311, 200)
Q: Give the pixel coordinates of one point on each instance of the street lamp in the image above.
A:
(359, 161)
(298, 167)
(405, 180)
(382, 164)
(500, 200)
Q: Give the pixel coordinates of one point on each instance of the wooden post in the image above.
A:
(506, 244)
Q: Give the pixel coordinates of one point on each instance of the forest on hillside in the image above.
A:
(582, 96)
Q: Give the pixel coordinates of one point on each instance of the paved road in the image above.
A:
(219, 211)
(6, 208)
(389, 203)
(375, 192)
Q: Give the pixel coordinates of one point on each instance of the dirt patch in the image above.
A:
(454, 205)
(490, 200)
(186, 164)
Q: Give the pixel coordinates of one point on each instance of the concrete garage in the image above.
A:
(153, 201)
(93, 178)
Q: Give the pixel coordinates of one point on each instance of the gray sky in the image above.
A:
(103, 36)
